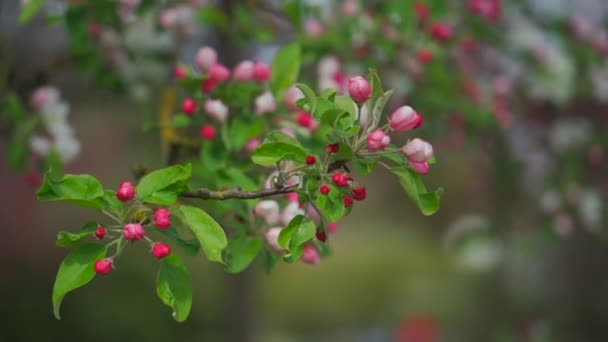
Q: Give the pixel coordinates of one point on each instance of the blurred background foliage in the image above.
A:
(516, 252)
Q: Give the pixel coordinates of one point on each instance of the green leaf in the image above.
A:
(285, 69)
(165, 185)
(375, 85)
(364, 166)
(242, 130)
(208, 232)
(278, 136)
(190, 247)
(345, 152)
(174, 286)
(300, 230)
(29, 10)
(310, 96)
(13, 108)
(269, 153)
(347, 104)
(332, 204)
(17, 155)
(378, 109)
(83, 190)
(181, 120)
(427, 202)
(68, 239)
(213, 16)
(241, 252)
(75, 271)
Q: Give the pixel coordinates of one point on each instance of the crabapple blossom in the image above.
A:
(359, 193)
(348, 201)
(292, 95)
(252, 144)
(100, 233)
(404, 119)
(103, 266)
(340, 180)
(332, 148)
(291, 210)
(441, 32)
(378, 140)
(265, 103)
(310, 255)
(160, 250)
(272, 238)
(189, 106)
(269, 210)
(205, 58)
(310, 159)
(324, 189)
(261, 72)
(359, 89)
(216, 109)
(243, 71)
(133, 231)
(162, 218)
(313, 27)
(418, 150)
(125, 192)
(219, 73)
(207, 132)
(421, 168)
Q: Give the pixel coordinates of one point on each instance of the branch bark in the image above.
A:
(236, 193)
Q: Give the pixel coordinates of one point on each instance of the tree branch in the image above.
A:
(236, 193)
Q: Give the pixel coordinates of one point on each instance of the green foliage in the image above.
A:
(29, 10)
(270, 153)
(241, 252)
(69, 240)
(285, 69)
(300, 230)
(165, 185)
(174, 287)
(208, 232)
(82, 190)
(427, 202)
(75, 271)
(332, 204)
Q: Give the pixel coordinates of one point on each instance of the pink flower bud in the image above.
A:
(252, 144)
(208, 85)
(378, 140)
(243, 71)
(162, 218)
(292, 95)
(180, 72)
(420, 168)
(313, 27)
(100, 233)
(272, 238)
(189, 106)
(291, 210)
(269, 210)
(265, 103)
(304, 119)
(404, 119)
(219, 73)
(359, 193)
(441, 32)
(310, 255)
(293, 197)
(418, 150)
(324, 189)
(359, 89)
(125, 192)
(133, 231)
(168, 18)
(103, 266)
(217, 110)
(160, 250)
(207, 132)
(261, 72)
(205, 58)
(332, 228)
(289, 131)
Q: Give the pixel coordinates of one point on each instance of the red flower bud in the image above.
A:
(100, 232)
(424, 56)
(324, 189)
(179, 72)
(359, 193)
(310, 159)
(207, 132)
(133, 231)
(340, 180)
(160, 250)
(208, 85)
(162, 218)
(304, 119)
(441, 32)
(333, 148)
(103, 266)
(421, 10)
(189, 106)
(310, 255)
(321, 235)
(421, 168)
(347, 201)
(125, 191)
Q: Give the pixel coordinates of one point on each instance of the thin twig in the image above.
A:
(236, 193)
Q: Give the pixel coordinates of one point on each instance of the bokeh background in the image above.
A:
(489, 266)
